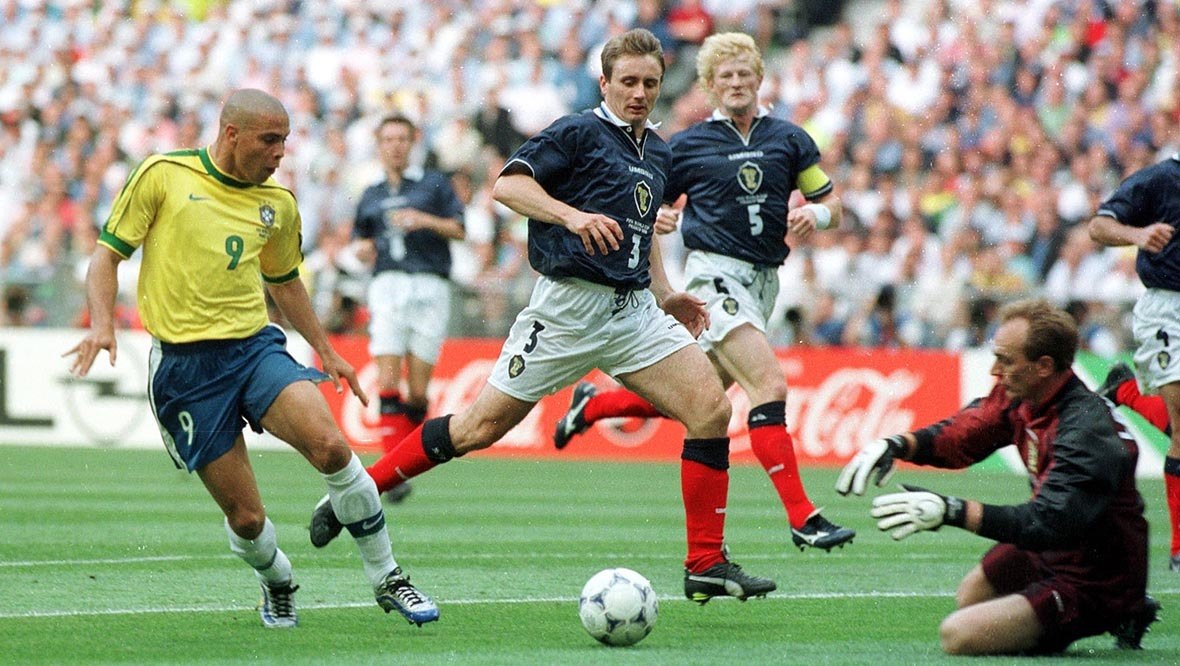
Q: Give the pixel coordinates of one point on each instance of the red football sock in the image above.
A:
(1150, 407)
(619, 402)
(405, 461)
(393, 429)
(774, 448)
(1172, 486)
(705, 491)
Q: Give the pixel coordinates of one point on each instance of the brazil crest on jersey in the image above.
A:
(1148, 196)
(417, 251)
(738, 187)
(591, 161)
(209, 242)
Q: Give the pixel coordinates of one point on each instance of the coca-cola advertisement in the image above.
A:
(837, 400)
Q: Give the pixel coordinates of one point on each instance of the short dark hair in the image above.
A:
(398, 119)
(638, 41)
(1052, 331)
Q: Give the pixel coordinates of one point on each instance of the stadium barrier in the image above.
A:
(838, 399)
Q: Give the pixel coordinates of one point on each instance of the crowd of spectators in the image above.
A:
(970, 139)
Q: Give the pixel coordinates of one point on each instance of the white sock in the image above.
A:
(262, 553)
(357, 505)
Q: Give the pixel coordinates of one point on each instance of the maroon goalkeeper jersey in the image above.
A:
(1085, 517)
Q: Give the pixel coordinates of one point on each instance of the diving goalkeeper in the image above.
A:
(1070, 562)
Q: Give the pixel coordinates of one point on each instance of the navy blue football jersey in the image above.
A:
(1147, 196)
(417, 251)
(591, 162)
(738, 187)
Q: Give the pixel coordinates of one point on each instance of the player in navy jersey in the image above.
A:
(738, 170)
(591, 184)
(1144, 211)
(404, 225)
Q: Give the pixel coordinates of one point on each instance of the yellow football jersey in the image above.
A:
(209, 241)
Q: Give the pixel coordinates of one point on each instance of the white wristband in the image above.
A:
(823, 215)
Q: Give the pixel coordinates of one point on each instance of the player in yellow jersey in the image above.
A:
(215, 228)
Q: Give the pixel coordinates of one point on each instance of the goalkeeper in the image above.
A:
(1071, 562)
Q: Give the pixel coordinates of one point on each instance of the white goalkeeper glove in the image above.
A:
(877, 457)
(917, 510)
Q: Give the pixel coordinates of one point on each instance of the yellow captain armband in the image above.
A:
(812, 180)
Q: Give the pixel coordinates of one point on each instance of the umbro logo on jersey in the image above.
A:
(193, 197)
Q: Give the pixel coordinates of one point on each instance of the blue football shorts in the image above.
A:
(204, 393)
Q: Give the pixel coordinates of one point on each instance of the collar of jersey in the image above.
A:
(212, 169)
(717, 115)
(606, 114)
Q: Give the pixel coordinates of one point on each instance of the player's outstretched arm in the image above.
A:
(292, 299)
(918, 510)
(876, 460)
(523, 194)
(102, 287)
(1109, 231)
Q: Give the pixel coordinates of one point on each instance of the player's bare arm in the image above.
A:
(525, 195)
(686, 308)
(1109, 231)
(292, 299)
(102, 286)
(802, 221)
(411, 219)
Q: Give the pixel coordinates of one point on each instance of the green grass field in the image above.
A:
(111, 556)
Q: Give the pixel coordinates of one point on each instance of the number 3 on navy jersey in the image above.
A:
(633, 260)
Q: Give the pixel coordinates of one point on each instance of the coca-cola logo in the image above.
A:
(849, 408)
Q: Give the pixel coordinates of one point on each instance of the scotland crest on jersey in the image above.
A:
(750, 177)
(643, 198)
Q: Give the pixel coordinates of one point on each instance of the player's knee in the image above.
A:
(245, 522)
(954, 636)
(331, 454)
(710, 417)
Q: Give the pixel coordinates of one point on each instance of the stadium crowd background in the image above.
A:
(969, 139)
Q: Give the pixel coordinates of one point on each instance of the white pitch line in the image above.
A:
(111, 560)
(442, 602)
(460, 557)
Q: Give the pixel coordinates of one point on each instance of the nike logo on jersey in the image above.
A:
(193, 197)
(371, 523)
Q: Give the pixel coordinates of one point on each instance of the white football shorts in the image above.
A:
(736, 292)
(1156, 325)
(408, 312)
(572, 326)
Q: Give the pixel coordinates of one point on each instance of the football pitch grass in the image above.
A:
(111, 556)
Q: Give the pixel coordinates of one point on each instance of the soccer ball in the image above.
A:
(618, 606)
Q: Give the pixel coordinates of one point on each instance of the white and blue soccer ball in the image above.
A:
(618, 607)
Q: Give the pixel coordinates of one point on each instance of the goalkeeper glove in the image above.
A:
(876, 457)
(916, 510)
